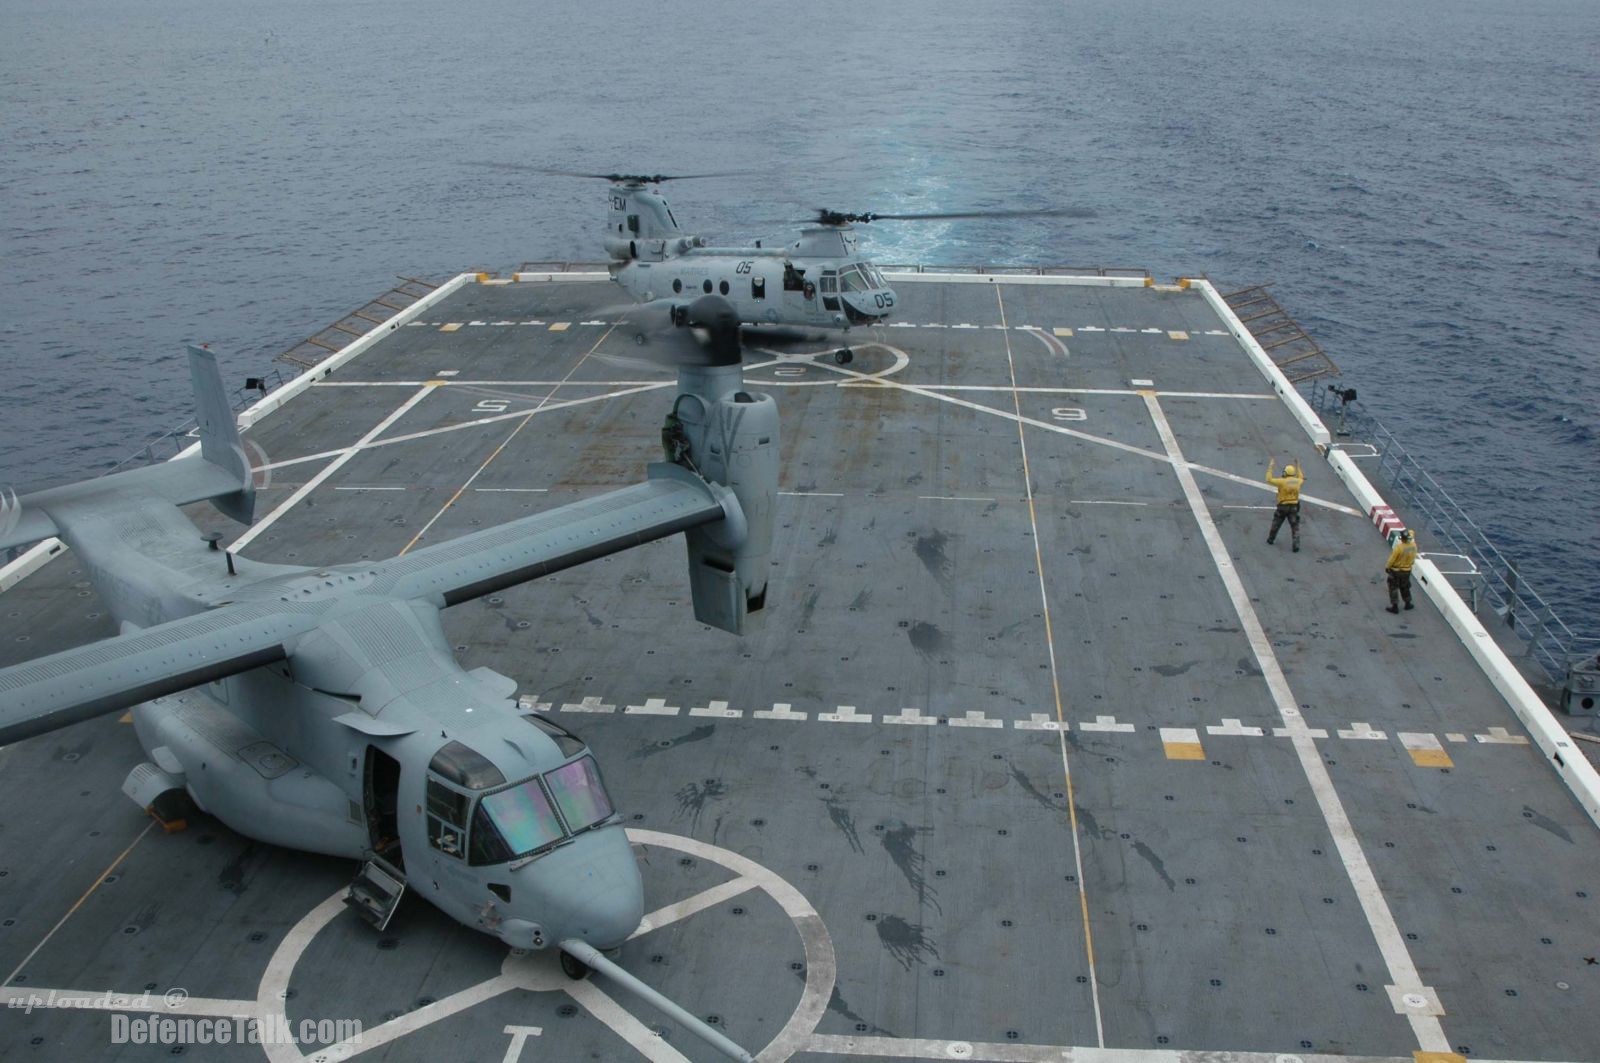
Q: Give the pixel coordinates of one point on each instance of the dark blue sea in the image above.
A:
(1418, 177)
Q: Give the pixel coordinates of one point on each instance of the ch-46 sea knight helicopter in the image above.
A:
(323, 710)
(820, 281)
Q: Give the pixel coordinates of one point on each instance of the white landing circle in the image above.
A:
(540, 972)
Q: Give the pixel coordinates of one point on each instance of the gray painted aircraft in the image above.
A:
(820, 281)
(322, 709)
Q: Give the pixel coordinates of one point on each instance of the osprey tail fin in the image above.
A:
(219, 435)
(220, 473)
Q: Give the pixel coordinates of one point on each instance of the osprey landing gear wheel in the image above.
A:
(573, 967)
(844, 356)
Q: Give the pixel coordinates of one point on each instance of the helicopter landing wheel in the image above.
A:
(574, 968)
(844, 356)
(640, 338)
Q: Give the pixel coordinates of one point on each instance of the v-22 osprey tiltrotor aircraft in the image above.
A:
(322, 709)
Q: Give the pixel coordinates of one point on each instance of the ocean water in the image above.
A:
(1419, 179)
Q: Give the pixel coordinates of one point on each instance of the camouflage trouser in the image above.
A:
(1399, 587)
(1287, 511)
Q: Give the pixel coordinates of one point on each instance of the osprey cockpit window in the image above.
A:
(465, 767)
(517, 821)
(564, 739)
(580, 795)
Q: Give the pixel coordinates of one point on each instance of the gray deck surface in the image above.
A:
(944, 859)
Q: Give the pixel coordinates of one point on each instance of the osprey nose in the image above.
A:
(612, 903)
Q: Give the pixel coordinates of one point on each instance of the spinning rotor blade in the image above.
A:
(670, 336)
(615, 178)
(835, 217)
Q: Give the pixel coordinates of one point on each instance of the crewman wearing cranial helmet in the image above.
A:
(1398, 570)
(1288, 486)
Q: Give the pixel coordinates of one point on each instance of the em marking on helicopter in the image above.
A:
(343, 723)
(822, 280)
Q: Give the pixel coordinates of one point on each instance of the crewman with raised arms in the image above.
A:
(1288, 486)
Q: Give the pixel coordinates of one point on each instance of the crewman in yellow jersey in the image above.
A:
(1398, 567)
(1288, 486)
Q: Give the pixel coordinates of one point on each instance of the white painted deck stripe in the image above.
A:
(1391, 944)
(1055, 688)
(706, 898)
(332, 467)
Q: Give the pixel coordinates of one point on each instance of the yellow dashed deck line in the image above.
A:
(1426, 751)
(450, 327)
(1177, 334)
(1182, 743)
(560, 326)
(1063, 332)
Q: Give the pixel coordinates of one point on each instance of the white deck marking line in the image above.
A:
(846, 714)
(718, 709)
(622, 1023)
(919, 389)
(1055, 688)
(479, 422)
(956, 498)
(1102, 502)
(588, 705)
(1037, 721)
(412, 1021)
(683, 909)
(1101, 391)
(1234, 727)
(78, 904)
(1500, 736)
(834, 1044)
(652, 707)
(1360, 730)
(513, 490)
(813, 494)
(369, 488)
(975, 718)
(489, 383)
(332, 467)
(912, 717)
(497, 451)
(780, 711)
(1391, 944)
(1105, 723)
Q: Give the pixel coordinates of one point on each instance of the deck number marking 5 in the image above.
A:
(491, 406)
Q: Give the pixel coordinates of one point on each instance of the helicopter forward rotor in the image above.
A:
(614, 178)
(824, 216)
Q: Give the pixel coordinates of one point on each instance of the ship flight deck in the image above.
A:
(1042, 752)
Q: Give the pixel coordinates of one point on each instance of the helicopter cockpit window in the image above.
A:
(580, 795)
(513, 823)
(872, 272)
(830, 282)
(851, 280)
(565, 740)
(465, 767)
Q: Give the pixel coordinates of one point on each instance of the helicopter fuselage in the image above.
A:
(819, 281)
